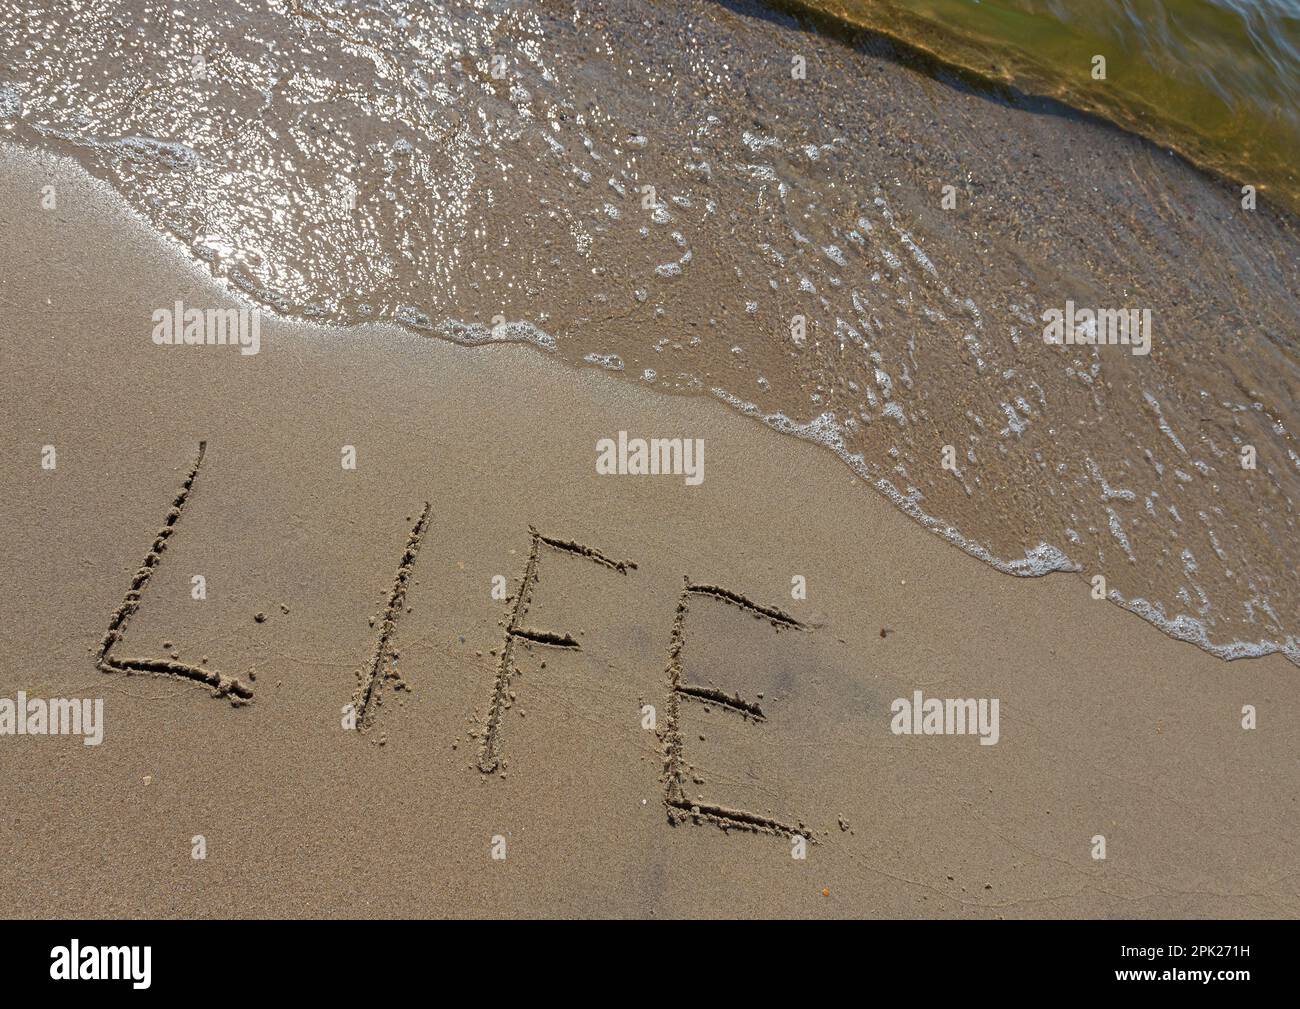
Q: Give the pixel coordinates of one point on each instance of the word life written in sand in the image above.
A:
(379, 667)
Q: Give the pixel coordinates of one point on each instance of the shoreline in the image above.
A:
(1037, 562)
(869, 273)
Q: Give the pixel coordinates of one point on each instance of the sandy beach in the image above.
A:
(834, 236)
(1106, 726)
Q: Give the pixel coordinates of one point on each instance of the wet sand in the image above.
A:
(1107, 726)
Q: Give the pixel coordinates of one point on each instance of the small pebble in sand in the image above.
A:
(260, 617)
(148, 779)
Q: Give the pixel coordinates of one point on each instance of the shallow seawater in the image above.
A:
(861, 256)
(1217, 79)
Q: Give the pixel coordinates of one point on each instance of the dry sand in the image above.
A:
(1106, 725)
